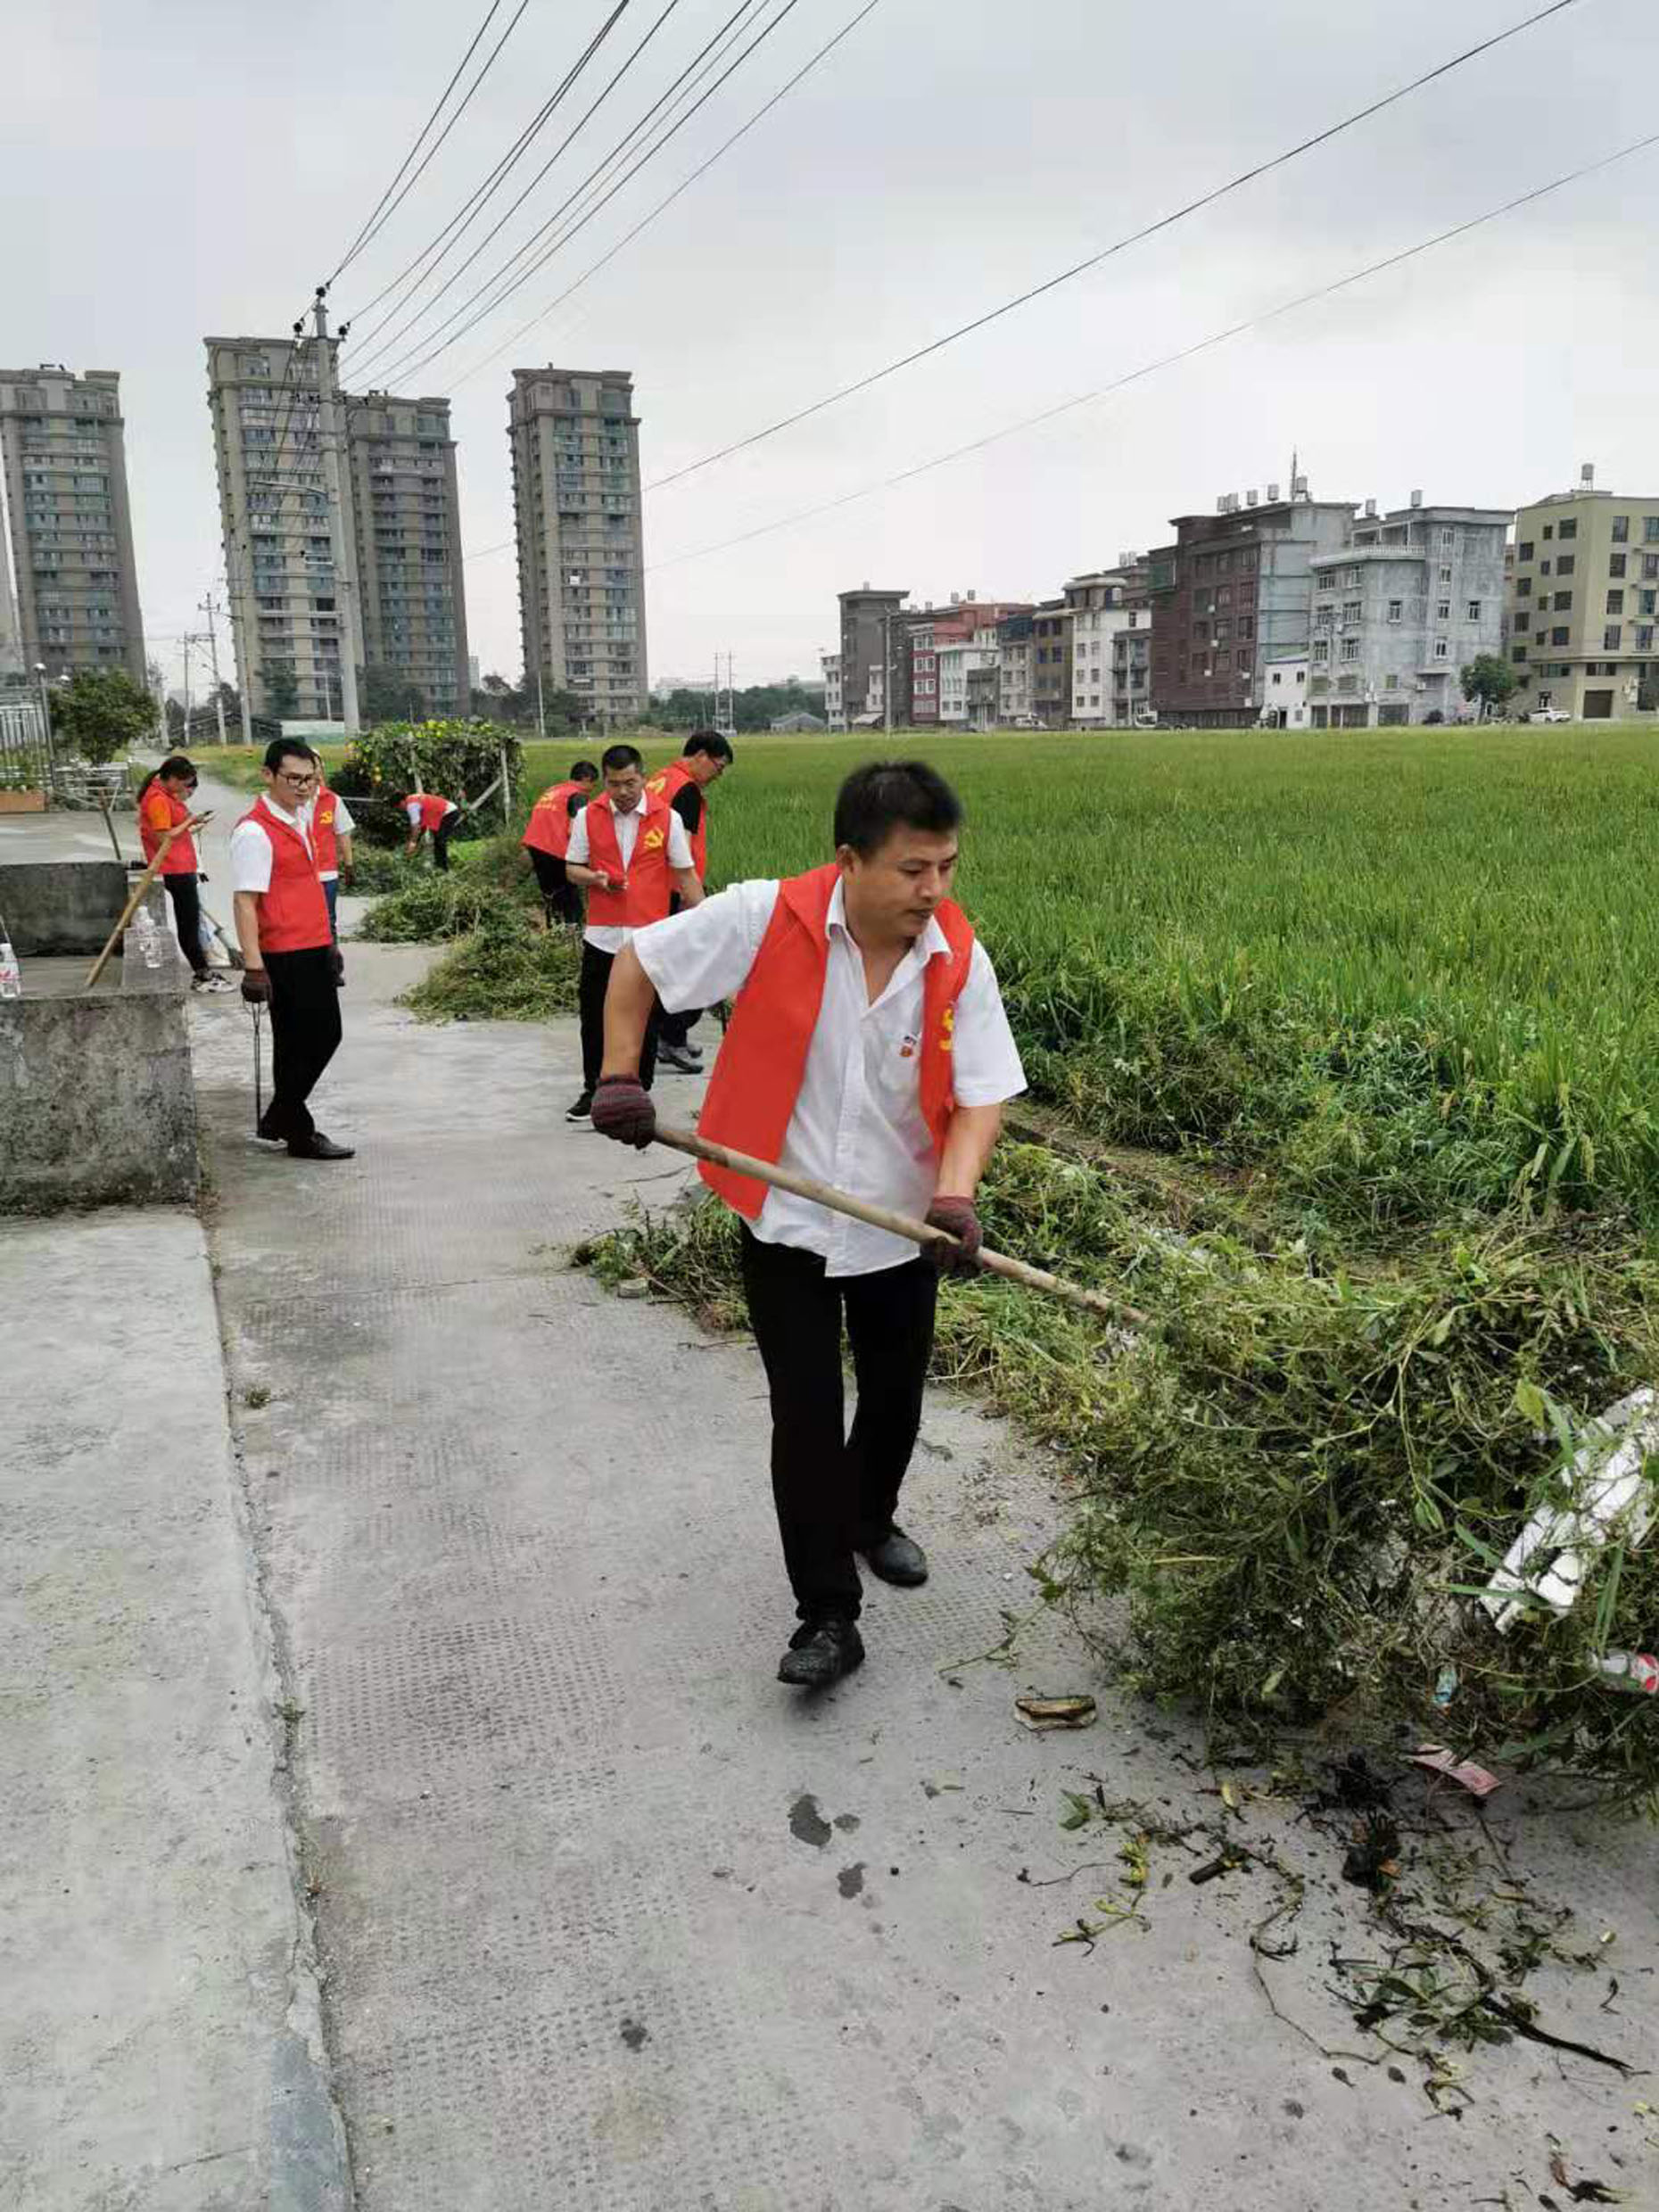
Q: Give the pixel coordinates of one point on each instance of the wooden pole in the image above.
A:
(106, 808)
(180, 829)
(899, 1225)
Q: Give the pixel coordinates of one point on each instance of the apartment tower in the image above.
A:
(64, 454)
(291, 614)
(1584, 603)
(575, 443)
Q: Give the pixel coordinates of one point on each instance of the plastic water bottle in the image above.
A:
(149, 937)
(10, 977)
(1636, 1670)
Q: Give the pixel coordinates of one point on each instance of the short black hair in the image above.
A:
(583, 772)
(621, 756)
(709, 741)
(280, 749)
(885, 795)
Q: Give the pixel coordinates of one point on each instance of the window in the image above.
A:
(1568, 530)
(1442, 649)
(1561, 637)
(1350, 648)
(1396, 610)
(1611, 636)
(1524, 586)
(1523, 551)
(1563, 602)
(1246, 661)
(1543, 568)
(1650, 567)
(1474, 610)
(1549, 530)
(1615, 602)
(1645, 639)
(1351, 609)
(1350, 577)
(1566, 564)
(1648, 602)
(1621, 529)
(1650, 528)
(1446, 573)
(1522, 622)
(1448, 539)
(1616, 565)
(1321, 651)
(1519, 653)
(1443, 610)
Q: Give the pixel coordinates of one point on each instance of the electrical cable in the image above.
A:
(1094, 261)
(645, 221)
(372, 228)
(1152, 368)
(588, 216)
(436, 249)
(389, 344)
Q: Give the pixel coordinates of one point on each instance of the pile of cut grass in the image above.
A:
(1290, 1485)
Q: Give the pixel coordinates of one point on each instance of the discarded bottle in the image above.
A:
(11, 976)
(1636, 1670)
(149, 937)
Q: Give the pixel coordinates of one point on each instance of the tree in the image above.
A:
(1489, 679)
(281, 687)
(101, 712)
(385, 695)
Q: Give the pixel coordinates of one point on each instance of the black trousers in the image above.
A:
(440, 838)
(675, 1028)
(305, 1036)
(590, 988)
(187, 918)
(836, 1491)
(559, 894)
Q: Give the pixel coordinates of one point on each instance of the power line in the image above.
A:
(1168, 360)
(456, 276)
(588, 215)
(378, 221)
(435, 250)
(1094, 261)
(646, 220)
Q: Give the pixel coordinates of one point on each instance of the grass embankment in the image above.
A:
(501, 966)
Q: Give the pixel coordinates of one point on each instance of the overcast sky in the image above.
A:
(175, 168)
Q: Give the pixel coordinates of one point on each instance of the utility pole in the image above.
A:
(188, 639)
(887, 671)
(345, 589)
(219, 695)
(541, 706)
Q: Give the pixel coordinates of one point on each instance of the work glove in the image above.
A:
(256, 987)
(337, 963)
(622, 1109)
(348, 876)
(957, 1218)
(202, 875)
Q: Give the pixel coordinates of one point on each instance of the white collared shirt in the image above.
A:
(609, 939)
(857, 1121)
(251, 845)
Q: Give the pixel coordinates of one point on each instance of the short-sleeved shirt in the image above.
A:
(857, 1121)
(608, 939)
(251, 849)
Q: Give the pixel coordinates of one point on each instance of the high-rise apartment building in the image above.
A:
(575, 443)
(400, 522)
(1584, 603)
(63, 452)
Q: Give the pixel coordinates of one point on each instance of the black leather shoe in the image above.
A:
(898, 1559)
(317, 1146)
(821, 1652)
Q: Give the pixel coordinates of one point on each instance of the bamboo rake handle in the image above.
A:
(196, 823)
(898, 1225)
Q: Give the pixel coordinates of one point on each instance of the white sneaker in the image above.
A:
(212, 981)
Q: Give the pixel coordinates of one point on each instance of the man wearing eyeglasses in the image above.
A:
(292, 962)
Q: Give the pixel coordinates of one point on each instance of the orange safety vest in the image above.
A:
(433, 809)
(293, 910)
(325, 838)
(667, 785)
(549, 828)
(640, 895)
(757, 1077)
(158, 810)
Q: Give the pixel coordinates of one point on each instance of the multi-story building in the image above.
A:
(575, 440)
(1584, 603)
(1103, 606)
(402, 607)
(1411, 598)
(935, 631)
(1050, 663)
(1132, 668)
(968, 680)
(63, 455)
(1235, 589)
(1013, 699)
(835, 703)
(866, 619)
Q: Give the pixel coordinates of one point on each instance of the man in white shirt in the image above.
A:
(868, 1049)
(629, 851)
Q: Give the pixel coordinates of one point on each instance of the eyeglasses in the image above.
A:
(287, 775)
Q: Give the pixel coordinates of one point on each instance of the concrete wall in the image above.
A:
(56, 908)
(96, 1103)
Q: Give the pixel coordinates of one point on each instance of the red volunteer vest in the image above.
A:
(325, 837)
(667, 786)
(640, 895)
(549, 828)
(158, 810)
(294, 912)
(757, 1077)
(433, 809)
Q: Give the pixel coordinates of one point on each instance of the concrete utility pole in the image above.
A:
(218, 696)
(542, 707)
(344, 589)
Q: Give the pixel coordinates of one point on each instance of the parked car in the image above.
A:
(1549, 714)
